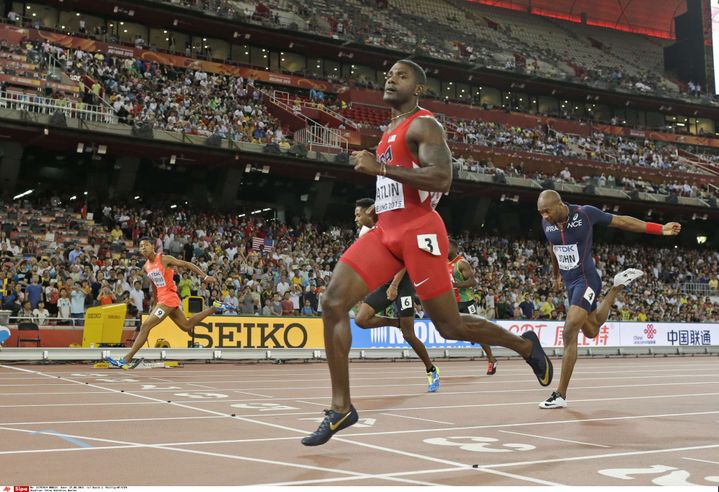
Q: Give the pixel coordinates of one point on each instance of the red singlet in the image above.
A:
(409, 231)
(164, 281)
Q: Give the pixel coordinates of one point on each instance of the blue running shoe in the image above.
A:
(220, 307)
(332, 423)
(120, 363)
(433, 380)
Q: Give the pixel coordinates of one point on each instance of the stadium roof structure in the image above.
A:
(649, 17)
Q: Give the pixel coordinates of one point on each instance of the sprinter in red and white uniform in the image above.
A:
(165, 300)
(413, 165)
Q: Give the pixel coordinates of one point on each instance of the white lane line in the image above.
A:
(436, 407)
(129, 444)
(702, 461)
(162, 380)
(203, 386)
(81, 404)
(65, 450)
(105, 421)
(601, 456)
(512, 366)
(486, 405)
(475, 380)
(443, 461)
(417, 418)
(311, 403)
(248, 393)
(555, 439)
(423, 385)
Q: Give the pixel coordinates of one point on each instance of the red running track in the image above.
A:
(634, 422)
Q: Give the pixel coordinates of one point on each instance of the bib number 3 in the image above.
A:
(429, 243)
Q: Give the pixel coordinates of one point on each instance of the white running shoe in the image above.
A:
(627, 277)
(554, 401)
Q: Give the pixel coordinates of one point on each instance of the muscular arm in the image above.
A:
(632, 224)
(468, 274)
(168, 260)
(398, 277)
(435, 159)
(627, 223)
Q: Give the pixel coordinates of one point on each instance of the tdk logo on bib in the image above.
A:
(567, 256)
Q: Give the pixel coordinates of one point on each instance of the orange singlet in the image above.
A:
(164, 281)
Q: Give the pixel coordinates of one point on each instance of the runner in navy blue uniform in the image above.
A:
(569, 231)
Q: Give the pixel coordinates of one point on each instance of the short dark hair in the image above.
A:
(453, 242)
(364, 202)
(419, 73)
(148, 239)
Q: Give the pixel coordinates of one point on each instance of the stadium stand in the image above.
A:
(59, 249)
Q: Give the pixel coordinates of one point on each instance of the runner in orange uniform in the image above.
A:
(166, 302)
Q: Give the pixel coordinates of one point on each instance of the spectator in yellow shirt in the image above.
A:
(714, 283)
(185, 286)
(546, 310)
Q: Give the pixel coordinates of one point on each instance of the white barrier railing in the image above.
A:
(321, 138)
(57, 322)
(45, 105)
(699, 288)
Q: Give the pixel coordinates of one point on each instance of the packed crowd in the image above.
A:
(627, 184)
(514, 281)
(44, 281)
(200, 103)
(288, 280)
(180, 100)
(140, 93)
(624, 152)
(597, 147)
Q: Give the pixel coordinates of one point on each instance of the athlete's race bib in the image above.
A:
(567, 256)
(389, 196)
(157, 278)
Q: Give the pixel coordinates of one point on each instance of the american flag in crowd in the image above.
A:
(262, 244)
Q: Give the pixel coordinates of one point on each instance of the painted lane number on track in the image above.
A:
(675, 477)
(202, 396)
(155, 387)
(479, 444)
(262, 407)
(118, 380)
